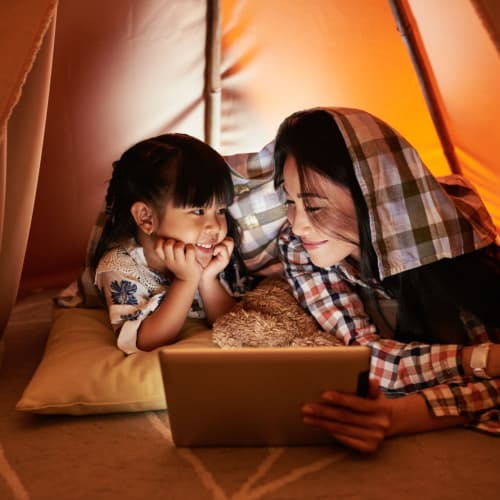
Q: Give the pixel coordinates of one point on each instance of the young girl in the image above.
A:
(377, 247)
(166, 240)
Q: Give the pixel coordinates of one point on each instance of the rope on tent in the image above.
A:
(212, 75)
(407, 32)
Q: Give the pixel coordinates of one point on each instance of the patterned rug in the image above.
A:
(131, 456)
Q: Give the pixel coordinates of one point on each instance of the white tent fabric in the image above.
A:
(124, 70)
(27, 40)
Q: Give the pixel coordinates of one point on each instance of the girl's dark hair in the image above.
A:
(430, 297)
(171, 166)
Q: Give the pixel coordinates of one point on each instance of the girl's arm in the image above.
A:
(144, 318)
(126, 284)
(216, 299)
(162, 326)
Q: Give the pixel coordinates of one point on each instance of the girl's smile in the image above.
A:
(202, 227)
(205, 246)
(204, 253)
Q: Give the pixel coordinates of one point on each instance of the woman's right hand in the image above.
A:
(364, 423)
(359, 423)
(179, 258)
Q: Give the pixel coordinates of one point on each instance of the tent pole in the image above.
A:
(407, 32)
(212, 75)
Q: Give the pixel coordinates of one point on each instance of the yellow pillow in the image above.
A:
(83, 372)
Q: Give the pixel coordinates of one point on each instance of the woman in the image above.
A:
(382, 254)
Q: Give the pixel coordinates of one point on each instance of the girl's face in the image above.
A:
(203, 227)
(324, 249)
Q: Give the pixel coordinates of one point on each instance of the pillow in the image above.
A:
(83, 372)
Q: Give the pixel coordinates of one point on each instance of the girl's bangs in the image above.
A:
(202, 190)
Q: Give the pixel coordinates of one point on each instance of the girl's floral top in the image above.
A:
(133, 291)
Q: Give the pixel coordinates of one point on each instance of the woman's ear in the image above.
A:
(144, 217)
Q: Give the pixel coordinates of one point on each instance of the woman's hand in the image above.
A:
(360, 423)
(220, 258)
(179, 258)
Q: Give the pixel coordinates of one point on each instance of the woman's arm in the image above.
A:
(397, 366)
(363, 424)
(329, 298)
(338, 310)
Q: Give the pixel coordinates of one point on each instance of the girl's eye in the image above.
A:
(222, 211)
(198, 211)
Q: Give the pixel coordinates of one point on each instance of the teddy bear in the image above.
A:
(269, 316)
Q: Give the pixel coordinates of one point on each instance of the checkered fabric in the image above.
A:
(412, 220)
(258, 208)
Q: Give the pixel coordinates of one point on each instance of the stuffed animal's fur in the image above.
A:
(269, 316)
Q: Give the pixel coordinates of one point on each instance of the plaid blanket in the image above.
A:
(413, 220)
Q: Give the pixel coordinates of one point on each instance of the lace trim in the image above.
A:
(130, 261)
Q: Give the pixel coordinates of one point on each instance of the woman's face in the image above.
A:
(324, 249)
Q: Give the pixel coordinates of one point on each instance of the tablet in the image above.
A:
(253, 396)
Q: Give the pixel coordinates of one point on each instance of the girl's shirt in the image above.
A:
(133, 291)
(434, 370)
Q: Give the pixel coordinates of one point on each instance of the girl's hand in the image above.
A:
(220, 258)
(179, 258)
(360, 423)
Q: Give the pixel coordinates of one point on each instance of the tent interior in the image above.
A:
(82, 81)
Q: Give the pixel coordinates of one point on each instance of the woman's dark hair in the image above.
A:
(178, 167)
(314, 140)
(430, 297)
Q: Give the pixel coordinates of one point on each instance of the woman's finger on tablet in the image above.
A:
(364, 439)
(362, 445)
(357, 403)
(379, 418)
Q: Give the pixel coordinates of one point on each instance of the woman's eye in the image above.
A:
(313, 209)
(289, 203)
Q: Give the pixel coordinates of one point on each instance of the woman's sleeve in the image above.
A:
(339, 311)
(467, 396)
(129, 303)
